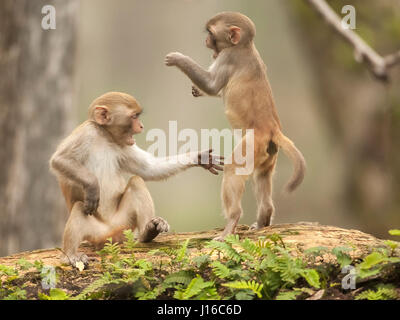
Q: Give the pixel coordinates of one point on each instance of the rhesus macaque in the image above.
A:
(238, 74)
(101, 172)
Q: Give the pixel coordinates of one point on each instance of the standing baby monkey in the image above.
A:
(101, 172)
(238, 74)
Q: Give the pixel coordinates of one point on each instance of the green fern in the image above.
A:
(54, 294)
(383, 292)
(276, 239)
(233, 239)
(226, 249)
(130, 242)
(262, 243)
(272, 282)
(341, 256)
(289, 269)
(209, 293)
(195, 287)
(143, 264)
(183, 277)
(312, 277)
(245, 295)
(201, 261)
(253, 249)
(110, 249)
(182, 252)
(316, 251)
(8, 271)
(251, 285)
(104, 280)
(17, 294)
(170, 252)
(24, 264)
(220, 270)
(288, 295)
(151, 294)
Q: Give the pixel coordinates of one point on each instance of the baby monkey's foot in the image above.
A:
(254, 226)
(219, 238)
(153, 228)
(75, 260)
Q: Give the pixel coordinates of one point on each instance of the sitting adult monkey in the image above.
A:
(101, 172)
(238, 74)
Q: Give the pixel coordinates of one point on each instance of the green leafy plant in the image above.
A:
(196, 289)
(250, 285)
(394, 232)
(242, 269)
(288, 295)
(54, 294)
(110, 249)
(130, 242)
(341, 255)
(374, 263)
(382, 292)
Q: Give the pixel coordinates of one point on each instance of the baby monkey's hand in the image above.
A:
(173, 58)
(196, 92)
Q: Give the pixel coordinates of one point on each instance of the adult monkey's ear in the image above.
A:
(234, 34)
(102, 115)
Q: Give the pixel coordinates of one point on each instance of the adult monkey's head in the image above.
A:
(228, 29)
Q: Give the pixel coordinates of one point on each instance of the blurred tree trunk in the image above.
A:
(363, 113)
(36, 90)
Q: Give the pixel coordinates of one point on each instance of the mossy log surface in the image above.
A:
(298, 237)
(301, 236)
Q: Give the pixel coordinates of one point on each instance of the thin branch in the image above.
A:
(363, 53)
(392, 59)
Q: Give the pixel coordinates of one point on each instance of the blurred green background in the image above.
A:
(344, 121)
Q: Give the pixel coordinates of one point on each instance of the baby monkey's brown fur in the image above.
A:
(238, 74)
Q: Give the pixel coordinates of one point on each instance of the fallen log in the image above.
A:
(297, 238)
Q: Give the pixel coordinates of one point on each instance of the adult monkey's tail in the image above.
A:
(297, 158)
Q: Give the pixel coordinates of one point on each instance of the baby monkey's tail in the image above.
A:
(297, 158)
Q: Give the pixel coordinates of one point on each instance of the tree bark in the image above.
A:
(36, 93)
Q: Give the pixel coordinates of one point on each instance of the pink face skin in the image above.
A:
(136, 127)
(211, 44)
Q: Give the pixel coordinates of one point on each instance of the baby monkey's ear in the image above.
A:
(102, 115)
(234, 34)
